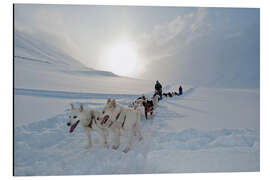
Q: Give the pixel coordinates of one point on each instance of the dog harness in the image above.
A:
(110, 124)
(116, 118)
(91, 121)
(124, 121)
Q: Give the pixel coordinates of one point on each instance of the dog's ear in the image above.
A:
(72, 106)
(81, 108)
(108, 100)
(113, 103)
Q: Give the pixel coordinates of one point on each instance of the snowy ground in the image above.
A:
(205, 130)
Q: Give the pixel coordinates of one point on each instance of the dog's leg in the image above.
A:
(151, 114)
(103, 136)
(134, 129)
(130, 136)
(88, 132)
(116, 137)
(138, 127)
(145, 112)
(106, 133)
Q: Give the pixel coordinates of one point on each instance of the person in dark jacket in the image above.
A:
(158, 88)
(180, 90)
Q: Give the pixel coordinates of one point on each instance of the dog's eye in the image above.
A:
(74, 117)
(103, 112)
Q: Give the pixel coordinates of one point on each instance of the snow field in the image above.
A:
(46, 148)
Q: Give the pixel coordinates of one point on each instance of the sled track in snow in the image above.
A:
(47, 143)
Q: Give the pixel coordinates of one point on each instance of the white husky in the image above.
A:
(90, 120)
(116, 118)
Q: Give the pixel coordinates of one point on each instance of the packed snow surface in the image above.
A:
(204, 130)
(187, 133)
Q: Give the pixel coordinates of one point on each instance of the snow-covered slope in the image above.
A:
(29, 48)
(205, 130)
(39, 65)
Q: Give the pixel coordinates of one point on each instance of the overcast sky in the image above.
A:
(172, 43)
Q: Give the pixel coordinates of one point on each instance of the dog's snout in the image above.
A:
(68, 124)
(106, 117)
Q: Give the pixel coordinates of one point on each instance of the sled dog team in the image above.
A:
(114, 119)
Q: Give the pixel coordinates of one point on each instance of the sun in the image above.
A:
(123, 59)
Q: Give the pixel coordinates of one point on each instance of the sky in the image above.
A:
(209, 46)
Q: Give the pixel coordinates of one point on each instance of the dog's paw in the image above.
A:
(126, 150)
(115, 147)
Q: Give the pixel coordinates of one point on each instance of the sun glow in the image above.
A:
(123, 59)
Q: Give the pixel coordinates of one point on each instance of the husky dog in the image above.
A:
(137, 103)
(116, 118)
(90, 120)
(165, 94)
(141, 97)
(150, 105)
(148, 108)
(133, 105)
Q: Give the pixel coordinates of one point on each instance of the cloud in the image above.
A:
(233, 35)
(176, 42)
(165, 39)
(205, 49)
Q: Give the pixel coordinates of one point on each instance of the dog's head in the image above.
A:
(143, 97)
(74, 117)
(139, 102)
(108, 110)
(147, 103)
